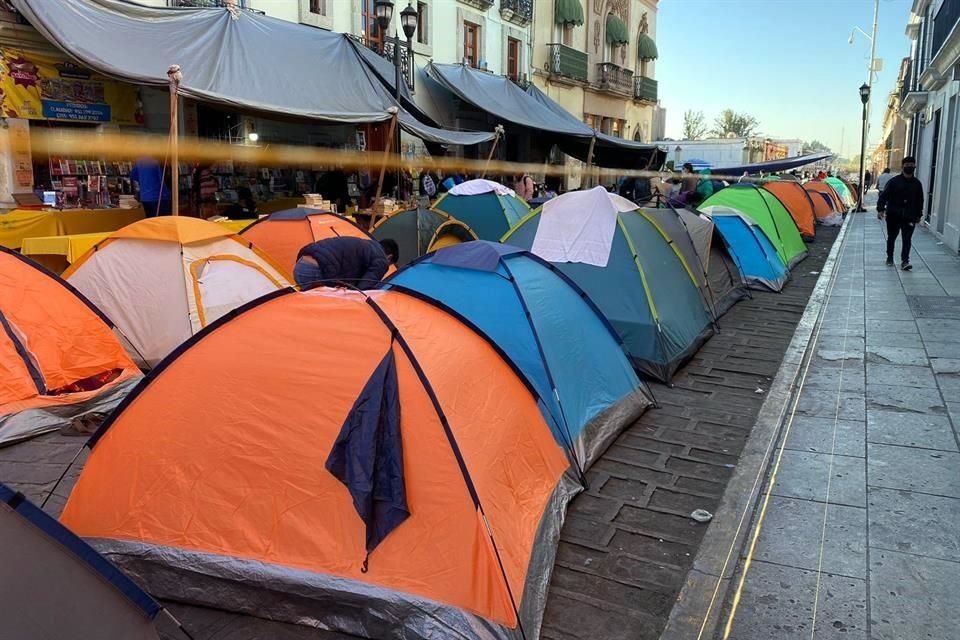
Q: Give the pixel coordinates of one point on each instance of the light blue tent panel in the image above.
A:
(752, 251)
(543, 322)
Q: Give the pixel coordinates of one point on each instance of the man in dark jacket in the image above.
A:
(901, 202)
(358, 262)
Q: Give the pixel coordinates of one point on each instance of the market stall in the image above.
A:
(20, 224)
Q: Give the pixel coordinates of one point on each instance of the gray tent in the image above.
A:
(234, 58)
(54, 585)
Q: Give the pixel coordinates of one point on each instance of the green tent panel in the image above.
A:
(770, 215)
(417, 231)
(646, 290)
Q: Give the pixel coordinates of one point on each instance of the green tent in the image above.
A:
(419, 231)
(768, 212)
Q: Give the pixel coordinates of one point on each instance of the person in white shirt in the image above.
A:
(884, 179)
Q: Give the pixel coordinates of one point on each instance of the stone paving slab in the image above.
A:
(904, 538)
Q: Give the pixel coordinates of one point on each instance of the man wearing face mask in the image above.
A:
(901, 202)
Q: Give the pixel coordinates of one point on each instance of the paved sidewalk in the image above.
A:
(859, 532)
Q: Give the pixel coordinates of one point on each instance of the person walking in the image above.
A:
(884, 179)
(901, 203)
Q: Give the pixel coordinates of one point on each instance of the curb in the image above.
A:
(696, 612)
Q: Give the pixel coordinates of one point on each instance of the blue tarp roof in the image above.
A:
(772, 166)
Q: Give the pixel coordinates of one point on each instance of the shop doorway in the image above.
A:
(935, 151)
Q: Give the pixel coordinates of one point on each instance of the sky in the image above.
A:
(788, 63)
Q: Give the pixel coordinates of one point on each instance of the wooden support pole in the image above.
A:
(386, 156)
(173, 73)
(587, 172)
(498, 131)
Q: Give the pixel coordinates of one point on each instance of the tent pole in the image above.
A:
(587, 172)
(173, 73)
(386, 156)
(499, 132)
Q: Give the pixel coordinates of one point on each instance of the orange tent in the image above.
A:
(797, 202)
(236, 489)
(282, 234)
(59, 358)
(828, 195)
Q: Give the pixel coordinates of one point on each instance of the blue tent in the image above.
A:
(548, 327)
(488, 208)
(750, 248)
(646, 289)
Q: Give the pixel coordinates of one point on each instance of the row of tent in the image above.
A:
(389, 463)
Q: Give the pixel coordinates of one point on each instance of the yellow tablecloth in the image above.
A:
(20, 224)
(69, 247)
(236, 225)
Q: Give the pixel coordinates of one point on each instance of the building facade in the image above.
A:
(930, 111)
(893, 137)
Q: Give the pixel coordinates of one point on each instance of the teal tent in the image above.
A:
(487, 207)
(632, 270)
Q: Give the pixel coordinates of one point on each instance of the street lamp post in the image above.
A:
(865, 99)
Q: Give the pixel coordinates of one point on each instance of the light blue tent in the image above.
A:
(750, 248)
(644, 287)
(547, 327)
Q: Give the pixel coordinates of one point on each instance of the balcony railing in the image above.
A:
(406, 69)
(567, 62)
(611, 77)
(644, 89)
(213, 4)
(519, 12)
(946, 19)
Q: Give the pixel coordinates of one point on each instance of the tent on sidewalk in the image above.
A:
(768, 212)
(634, 274)
(163, 279)
(548, 327)
(59, 359)
(721, 285)
(419, 231)
(750, 248)
(798, 204)
(487, 207)
(57, 586)
(374, 467)
(824, 198)
(281, 235)
(846, 193)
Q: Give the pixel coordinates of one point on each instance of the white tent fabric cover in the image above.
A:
(480, 186)
(150, 288)
(579, 226)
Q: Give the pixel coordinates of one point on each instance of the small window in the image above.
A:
(513, 59)
(318, 7)
(471, 43)
(422, 22)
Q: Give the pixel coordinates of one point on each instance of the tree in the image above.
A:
(694, 125)
(741, 125)
(814, 147)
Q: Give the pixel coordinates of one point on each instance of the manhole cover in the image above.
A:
(935, 307)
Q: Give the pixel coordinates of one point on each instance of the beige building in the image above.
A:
(893, 140)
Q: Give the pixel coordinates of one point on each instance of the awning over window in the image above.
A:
(568, 12)
(646, 48)
(237, 59)
(616, 30)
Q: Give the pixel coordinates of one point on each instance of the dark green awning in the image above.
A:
(646, 48)
(616, 30)
(568, 12)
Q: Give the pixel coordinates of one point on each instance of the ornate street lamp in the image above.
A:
(865, 100)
